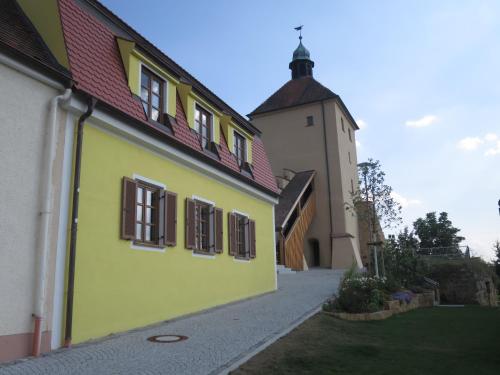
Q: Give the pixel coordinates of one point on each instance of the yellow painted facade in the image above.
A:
(117, 287)
(43, 15)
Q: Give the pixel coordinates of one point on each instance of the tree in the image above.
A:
(375, 205)
(372, 189)
(496, 262)
(437, 232)
(402, 264)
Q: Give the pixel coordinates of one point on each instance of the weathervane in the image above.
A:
(299, 29)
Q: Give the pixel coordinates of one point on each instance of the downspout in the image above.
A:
(330, 217)
(74, 221)
(45, 219)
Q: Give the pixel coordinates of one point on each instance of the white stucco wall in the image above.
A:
(24, 108)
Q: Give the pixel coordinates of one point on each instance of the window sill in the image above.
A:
(241, 260)
(145, 247)
(202, 254)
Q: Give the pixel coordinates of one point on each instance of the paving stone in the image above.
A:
(216, 337)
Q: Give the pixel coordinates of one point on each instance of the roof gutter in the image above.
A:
(74, 221)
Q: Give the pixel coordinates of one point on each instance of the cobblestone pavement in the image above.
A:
(216, 338)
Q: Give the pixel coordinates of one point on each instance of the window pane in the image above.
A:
(149, 215)
(155, 114)
(149, 197)
(144, 94)
(138, 231)
(203, 119)
(145, 106)
(197, 115)
(156, 101)
(155, 87)
(139, 213)
(148, 234)
(144, 79)
(139, 195)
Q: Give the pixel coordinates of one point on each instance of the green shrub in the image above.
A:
(359, 294)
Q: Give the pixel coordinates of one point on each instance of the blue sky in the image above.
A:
(423, 77)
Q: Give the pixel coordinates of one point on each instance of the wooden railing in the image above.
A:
(294, 241)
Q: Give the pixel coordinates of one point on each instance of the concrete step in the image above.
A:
(281, 269)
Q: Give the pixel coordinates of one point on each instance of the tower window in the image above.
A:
(352, 186)
(342, 123)
(349, 154)
(310, 120)
(350, 136)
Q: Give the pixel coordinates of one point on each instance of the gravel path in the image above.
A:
(217, 338)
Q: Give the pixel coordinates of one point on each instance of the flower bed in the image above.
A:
(363, 297)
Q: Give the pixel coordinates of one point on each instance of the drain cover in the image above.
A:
(167, 339)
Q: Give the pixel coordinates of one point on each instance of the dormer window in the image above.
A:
(203, 125)
(240, 148)
(152, 94)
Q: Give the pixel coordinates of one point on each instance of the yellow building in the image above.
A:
(171, 207)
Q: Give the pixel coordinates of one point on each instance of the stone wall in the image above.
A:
(466, 282)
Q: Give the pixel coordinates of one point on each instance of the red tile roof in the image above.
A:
(97, 68)
(18, 34)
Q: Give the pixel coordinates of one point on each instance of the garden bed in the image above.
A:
(392, 307)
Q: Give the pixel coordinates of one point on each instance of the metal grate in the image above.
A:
(167, 339)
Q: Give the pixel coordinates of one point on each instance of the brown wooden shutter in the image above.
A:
(190, 224)
(129, 193)
(218, 230)
(160, 219)
(251, 232)
(232, 233)
(170, 228)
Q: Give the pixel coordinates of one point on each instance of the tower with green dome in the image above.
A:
(301, 64)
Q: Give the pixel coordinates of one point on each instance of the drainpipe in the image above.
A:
(74, 221)
(328, 177)
(45, 218)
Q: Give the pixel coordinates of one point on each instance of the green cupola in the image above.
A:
(301, 65)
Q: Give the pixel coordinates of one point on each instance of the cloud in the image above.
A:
(493, 150)
(403, 201)
(422, 122)
(469, 143)
(490, 137)
(361, 123)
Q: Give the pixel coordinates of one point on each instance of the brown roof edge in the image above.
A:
(337, 98)
(168, 139)
(154, 51)
(50, 71)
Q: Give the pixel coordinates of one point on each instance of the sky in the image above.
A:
(421, 78)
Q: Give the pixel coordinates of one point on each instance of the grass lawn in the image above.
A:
(431, 341)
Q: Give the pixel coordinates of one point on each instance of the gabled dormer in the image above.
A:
(150, 82)
(157, 88)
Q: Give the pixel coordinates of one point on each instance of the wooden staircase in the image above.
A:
(290, 249)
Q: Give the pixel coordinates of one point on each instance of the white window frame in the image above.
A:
(212, 204)
(235, 257)
(246, 144)
(212, 116)
(133, 246)
(165, 84)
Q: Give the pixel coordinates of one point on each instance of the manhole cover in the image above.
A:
(167, 339)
